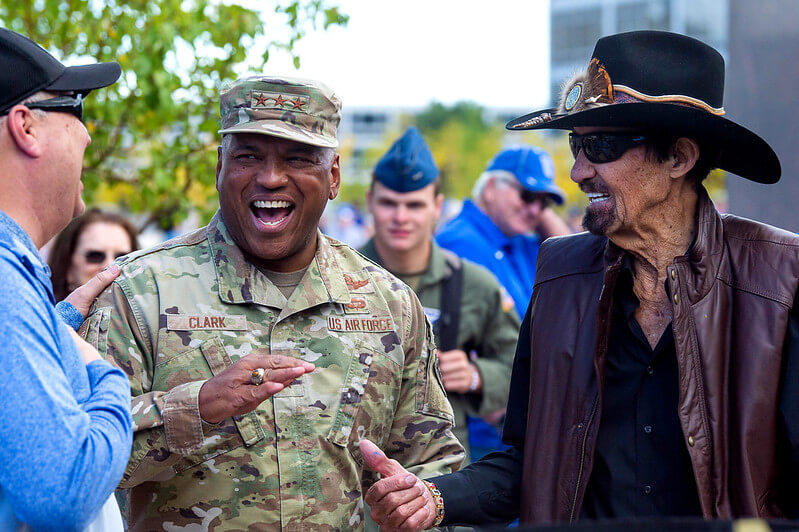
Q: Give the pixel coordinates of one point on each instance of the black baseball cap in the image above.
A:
(28, 68)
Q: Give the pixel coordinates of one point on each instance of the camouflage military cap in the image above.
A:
(297, 109)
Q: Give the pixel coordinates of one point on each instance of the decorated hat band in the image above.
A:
(635, 96)
(593, 88)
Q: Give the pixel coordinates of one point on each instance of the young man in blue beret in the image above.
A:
(475, 334)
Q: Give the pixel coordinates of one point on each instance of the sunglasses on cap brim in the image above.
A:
(604, 147)
(60, 104)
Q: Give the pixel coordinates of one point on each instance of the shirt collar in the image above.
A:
(698, 267)
(14, 237)
(437, 267)
(241, 282)
(484, 223)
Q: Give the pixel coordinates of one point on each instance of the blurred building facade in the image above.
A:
(366, 131)
(576, 25)
(761, 94)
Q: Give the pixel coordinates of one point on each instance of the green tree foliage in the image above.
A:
(154, 132)
(462, 142)
(461, 139)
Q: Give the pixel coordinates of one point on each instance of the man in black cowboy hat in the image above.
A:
(657, 368)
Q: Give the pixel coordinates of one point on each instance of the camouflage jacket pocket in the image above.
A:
(217, 358)
(369, 396)
(431, 398)
(199, 364)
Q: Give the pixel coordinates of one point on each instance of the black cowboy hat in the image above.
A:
(661, 82)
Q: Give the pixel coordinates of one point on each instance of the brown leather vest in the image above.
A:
(731, 297)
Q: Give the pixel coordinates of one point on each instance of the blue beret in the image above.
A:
(408, 165)
(532, 167)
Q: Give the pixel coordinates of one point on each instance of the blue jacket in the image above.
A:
(473, 235)
(65, 427)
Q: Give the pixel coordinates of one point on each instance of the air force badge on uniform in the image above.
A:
(361, 324)
(408, 165)
(359, 282)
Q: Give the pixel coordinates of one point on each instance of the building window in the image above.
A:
(574, 34)
(642, 15)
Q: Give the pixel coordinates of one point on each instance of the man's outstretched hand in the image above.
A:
(399, 500)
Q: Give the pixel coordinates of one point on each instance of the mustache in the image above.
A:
(592, 187)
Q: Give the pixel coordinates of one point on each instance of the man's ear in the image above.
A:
(684, 154)
(218, 165)
(439, 202)
(335, 177)
(25, 131)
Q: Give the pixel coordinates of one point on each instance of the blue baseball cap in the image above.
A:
(532, 167)
(408, 165)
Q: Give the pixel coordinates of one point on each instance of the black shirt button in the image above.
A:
(647, 490)
(648, 429)
(650, 370)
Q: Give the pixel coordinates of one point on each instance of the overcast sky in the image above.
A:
(407, 53)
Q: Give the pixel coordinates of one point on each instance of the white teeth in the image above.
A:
(596, 196)
(271, 224)
(271, 204)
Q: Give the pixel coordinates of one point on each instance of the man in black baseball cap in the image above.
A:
(65, 425)
(657, 368)
(28, 68)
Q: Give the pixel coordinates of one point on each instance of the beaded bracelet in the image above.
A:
(438, 500)
(475, 379)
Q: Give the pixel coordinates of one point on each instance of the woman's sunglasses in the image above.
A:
(604, 147)
(98, 257)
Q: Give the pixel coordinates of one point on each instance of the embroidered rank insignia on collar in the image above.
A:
(359, 282)
(183, 322)
(279, 100)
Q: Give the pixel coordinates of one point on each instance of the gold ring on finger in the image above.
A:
(257, 376)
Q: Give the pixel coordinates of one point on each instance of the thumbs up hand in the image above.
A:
(399, 500)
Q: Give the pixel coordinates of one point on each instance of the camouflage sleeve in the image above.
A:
(166, 424)
(421, 436)
(495, 355)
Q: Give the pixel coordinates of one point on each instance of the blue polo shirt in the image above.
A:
(473, 235)
(65, 426)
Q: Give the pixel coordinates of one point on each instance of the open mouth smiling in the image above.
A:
(272, 214)
(597, 197)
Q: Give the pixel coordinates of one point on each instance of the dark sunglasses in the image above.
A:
(60, 104)
(98, 257)
(604, 147)
(529, 196)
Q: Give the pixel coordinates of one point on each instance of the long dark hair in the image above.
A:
(60, 256)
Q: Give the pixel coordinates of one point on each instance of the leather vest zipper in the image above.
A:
(582, 459)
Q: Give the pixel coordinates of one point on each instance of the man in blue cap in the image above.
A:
(475, 334)
(503, 224)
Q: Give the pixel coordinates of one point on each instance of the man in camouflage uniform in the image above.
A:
(345, 346)
(475, 329)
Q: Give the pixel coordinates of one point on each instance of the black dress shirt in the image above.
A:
(641, 466)
(487, 491)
